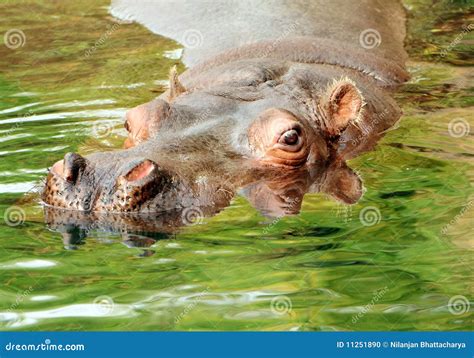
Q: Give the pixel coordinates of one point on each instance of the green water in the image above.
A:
(325, 269)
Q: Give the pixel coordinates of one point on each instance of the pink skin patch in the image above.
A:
(141, 171)
(58, 168)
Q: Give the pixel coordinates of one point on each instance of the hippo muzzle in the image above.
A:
(82, 184)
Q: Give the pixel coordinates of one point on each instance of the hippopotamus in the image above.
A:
(278, 95)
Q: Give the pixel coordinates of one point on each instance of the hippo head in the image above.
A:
(271, 131)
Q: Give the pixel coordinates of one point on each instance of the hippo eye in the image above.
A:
(290, 137)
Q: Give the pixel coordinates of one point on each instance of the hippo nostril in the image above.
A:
(140, 171)
(70, 167)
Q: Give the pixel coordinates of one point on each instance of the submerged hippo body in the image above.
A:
(278, 95)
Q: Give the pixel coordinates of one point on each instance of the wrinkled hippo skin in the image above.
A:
(273, 117)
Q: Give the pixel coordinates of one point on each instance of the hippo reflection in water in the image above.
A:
(278, 95)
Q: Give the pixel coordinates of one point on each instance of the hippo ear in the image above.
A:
(341, 105)
(176, 88)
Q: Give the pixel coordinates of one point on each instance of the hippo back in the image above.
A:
(207, 28)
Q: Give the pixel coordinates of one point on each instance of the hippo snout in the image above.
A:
(87, 184)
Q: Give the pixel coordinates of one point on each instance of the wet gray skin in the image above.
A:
(246, 119)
